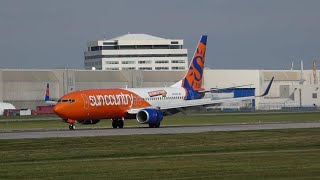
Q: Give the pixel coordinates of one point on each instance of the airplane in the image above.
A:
(146, 105)
(47, 99)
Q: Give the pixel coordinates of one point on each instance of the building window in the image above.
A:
(144, 62)
(174, 42)
(136, 55)
(145, 68)
(144, 46)
(178, 61)
(111, 69)
(128, 68)
(111, 62)
(175, 47)
(128, 47)
(161, 47)
(178, 68)
(162, 68)
(109, 47)
(128, 62)
(162, 62)
(109, 43)
(314, 95)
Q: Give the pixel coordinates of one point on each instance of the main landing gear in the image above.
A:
(72, 127)
(117, 123)
(154, 125)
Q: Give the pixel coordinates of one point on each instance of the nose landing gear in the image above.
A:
(71, 124)
(72, 127)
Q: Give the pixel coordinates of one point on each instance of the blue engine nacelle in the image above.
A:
(149, 116)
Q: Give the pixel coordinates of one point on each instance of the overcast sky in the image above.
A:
(242, 34)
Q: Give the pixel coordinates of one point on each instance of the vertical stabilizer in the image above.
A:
(47, 95)
(193, 78)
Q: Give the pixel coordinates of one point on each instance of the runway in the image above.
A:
(162, 130)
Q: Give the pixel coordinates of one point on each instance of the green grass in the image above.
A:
(269, 154)
(179, 119)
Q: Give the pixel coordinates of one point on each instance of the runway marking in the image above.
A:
(169, 156)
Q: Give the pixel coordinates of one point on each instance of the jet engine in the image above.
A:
(88, 121)
(150, 116)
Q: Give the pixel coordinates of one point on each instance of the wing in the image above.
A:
(191, 103)
(200, 102)
(212, 90)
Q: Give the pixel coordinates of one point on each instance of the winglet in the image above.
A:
(268, 88)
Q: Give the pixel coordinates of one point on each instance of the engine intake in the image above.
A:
(149, 116)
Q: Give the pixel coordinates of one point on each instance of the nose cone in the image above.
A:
(58, 109)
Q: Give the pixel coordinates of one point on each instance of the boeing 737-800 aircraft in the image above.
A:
(146, 105)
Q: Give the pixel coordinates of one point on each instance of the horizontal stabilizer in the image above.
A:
(266, 92)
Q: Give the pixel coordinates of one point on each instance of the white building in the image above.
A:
(136, 52)
(24, 88)
(290, 89)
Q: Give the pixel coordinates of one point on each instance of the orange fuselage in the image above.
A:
(99, 104)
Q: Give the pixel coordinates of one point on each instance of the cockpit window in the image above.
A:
(66, 100)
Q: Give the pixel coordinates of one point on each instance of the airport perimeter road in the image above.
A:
(162, 130)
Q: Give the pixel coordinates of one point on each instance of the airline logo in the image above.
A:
(110, 100)
(158, 93)
(193, 78)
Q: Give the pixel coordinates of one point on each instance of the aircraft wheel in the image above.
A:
(157, 125)
(72, 127)
(120, 123)
(114, 123)
(154, 125)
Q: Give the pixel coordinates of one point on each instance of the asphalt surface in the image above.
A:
(162, 130)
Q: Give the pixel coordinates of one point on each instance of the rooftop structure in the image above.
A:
(136, 52)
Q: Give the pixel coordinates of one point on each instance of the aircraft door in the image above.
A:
(85, 101)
